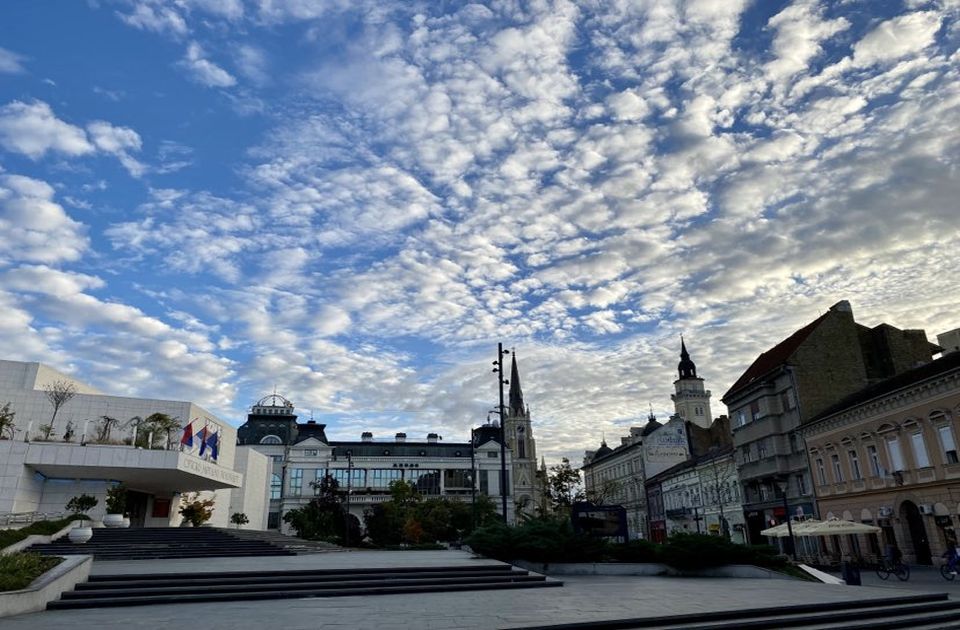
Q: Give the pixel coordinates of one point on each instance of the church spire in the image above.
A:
(686, 367)
(517, 408)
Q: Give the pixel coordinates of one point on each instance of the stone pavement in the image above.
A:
(580, 599)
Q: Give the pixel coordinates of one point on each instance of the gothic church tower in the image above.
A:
(523, 448)
(691, 401)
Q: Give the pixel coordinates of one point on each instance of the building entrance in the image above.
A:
(137, 508)
(918, 533)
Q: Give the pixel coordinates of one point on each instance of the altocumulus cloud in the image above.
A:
(585, 181)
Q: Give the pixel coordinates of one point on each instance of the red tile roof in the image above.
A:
(775, 357)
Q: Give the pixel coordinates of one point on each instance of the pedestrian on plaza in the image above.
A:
(952, 554)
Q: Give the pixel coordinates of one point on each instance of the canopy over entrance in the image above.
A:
(154, 471)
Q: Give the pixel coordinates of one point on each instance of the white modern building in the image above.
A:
(92, 444)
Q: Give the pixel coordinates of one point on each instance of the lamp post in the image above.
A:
(782, 484)
(503, 434)
(473, 477)
(346, 512)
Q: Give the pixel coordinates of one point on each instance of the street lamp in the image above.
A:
(498, 370)
(783, 483)
(346, 512)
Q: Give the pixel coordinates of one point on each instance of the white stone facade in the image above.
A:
(41, 475)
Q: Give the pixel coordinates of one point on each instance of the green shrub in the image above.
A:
(18, 570)
(553, 540)
(40, 528)
(537, 540)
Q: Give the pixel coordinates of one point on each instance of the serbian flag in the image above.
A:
(202, 435)
(213, 442)
(187, 439)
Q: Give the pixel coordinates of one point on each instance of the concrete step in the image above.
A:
(873, 614)
(118, 590)
(293, 587)
(101, 582)
(163, 543)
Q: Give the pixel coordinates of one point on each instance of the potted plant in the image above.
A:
(116, 506)
(238, 519)
(194, 510)
(80, 505)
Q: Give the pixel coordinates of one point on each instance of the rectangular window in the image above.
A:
(357, 477)
(310, 452)
(874, 460)
(821, 472)
(745, 453)
(484, 481)
(741, 418)
(764, 492)
(454, 479)
(949, 446)
(854, 465)
(381, 478)
(755, 410)
(919, 450)
(801, 484)
(493, 454)
(761, 449)
(837, 470)
(276, 485)
(296, 482)
(427, 481)
(896, 455)
(793, 442)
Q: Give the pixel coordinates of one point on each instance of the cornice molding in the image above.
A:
(893, 402)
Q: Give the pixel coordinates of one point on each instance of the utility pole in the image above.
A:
(473, 477)
(346, 512)
(503, 433)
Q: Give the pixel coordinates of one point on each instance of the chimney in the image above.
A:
(366, 436)
(432, 438)
(401, 437)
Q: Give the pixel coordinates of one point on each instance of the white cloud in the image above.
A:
(896, 38)
(252, 64)
(151, 15)
(800, 29)
(33, 130)
(11, 62)
(35, 227)
(204, 71)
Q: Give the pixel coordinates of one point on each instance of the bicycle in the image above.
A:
(899, 569)
(947, 573)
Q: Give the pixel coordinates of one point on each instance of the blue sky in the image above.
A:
(354, 201)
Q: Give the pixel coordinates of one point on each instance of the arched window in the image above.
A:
(271, 439)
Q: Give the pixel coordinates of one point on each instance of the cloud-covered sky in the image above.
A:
(354, 201)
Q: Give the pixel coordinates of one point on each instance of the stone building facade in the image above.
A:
(41, 470)
(793, 382)
(301, 453)
(888, 456)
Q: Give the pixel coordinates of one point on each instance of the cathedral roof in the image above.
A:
(603, 450)
(516, 394)
(686, 367)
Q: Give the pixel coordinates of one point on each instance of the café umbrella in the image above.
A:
(838, 527)
(781, 531)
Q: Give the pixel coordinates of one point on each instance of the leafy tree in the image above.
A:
(59, 393)
(80, 505)
(105, 427)
(607, 490)
(195, 510)
(7, 425)
(563, 487)
(325, 517)
(152, 430)
(46, 432)
(238, 519)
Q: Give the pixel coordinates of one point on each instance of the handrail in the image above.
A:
(25, 518)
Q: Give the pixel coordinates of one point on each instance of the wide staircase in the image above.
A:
(298, 546)
(155, 543)
(916, 612)
(181, 588)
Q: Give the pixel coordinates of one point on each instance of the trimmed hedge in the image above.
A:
(40, 528)
(18, 570)
(553, 540)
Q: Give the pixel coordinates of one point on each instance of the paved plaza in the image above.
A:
(580, 599)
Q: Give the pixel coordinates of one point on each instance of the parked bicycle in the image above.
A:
(898, 568)
(947, 572)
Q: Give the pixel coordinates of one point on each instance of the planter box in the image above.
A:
(37, 539)
(47, 587)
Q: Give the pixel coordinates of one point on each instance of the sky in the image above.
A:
(352, 202)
